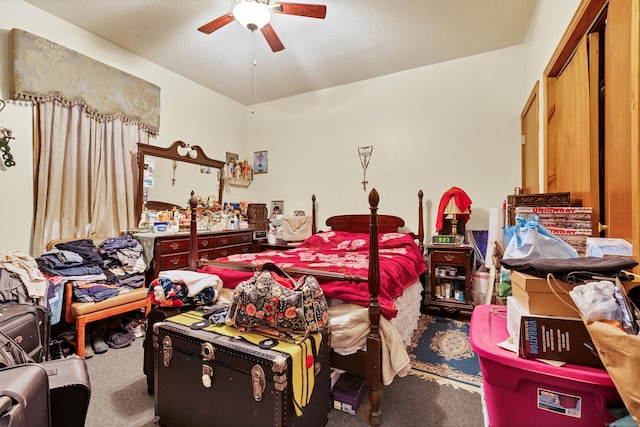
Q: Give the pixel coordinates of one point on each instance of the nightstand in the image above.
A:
(449, 282)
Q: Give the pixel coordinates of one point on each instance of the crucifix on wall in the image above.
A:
(365, 154)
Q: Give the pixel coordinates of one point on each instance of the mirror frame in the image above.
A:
(172, 153)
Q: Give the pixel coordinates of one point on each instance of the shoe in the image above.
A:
(119, 339)
(136, 328)
(88, 351)
(98, 344)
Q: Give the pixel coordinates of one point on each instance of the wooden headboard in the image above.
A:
(360, 223)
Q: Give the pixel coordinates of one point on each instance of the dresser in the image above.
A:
(171, 251)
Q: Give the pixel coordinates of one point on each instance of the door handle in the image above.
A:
(602, 227)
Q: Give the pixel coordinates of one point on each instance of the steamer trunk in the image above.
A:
(207, 379)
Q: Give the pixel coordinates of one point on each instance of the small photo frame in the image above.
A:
(232, 159)
(277, 208)
(260, 162)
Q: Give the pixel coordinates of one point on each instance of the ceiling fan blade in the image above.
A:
(272, 38)
(217, 23)
(301, 9)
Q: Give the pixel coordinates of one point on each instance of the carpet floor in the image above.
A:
(119, 398)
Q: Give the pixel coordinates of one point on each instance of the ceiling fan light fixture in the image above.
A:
(252, 14)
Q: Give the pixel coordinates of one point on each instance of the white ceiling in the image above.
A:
(358, 39)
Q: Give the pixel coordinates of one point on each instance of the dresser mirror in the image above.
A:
(172, 173)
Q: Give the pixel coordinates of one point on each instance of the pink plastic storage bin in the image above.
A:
(521, 392)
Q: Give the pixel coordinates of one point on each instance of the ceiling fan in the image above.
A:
(255, 14)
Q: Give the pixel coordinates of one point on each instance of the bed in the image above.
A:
(363, 278)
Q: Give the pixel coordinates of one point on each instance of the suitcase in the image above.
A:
(156, 314)
(69, 391)
(29, 326)
(204, 378)
(24, 396)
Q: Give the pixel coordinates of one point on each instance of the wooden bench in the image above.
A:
(81, 313)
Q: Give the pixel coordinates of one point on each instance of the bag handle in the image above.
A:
(11, 353)
(550, 278)
(271, 266)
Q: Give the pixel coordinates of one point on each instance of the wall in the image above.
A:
(189, 112)
(451, 124)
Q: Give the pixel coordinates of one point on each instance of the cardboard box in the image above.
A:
(542, 199)
(564, 339)
(603, 246)
(577, 218)
(557, 338)
(536, 297)
(574, 237)
(349, 400)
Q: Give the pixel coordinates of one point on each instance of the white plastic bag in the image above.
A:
(596, 301)
(529, 239)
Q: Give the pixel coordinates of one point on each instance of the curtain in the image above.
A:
(85, 174)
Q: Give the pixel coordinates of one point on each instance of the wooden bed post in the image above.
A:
(193, 229)
(313, 215)
(420, 222)
(374, 347)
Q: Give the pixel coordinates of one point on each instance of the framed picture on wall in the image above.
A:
(260, 162)
(232, 160)
(277, 208)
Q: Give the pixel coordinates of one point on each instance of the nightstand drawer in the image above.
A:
(448, 257)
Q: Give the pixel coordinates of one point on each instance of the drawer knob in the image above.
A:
(245, 249)
(224, 241)
(174, 245)
(205, 243)
(224, 253)
(175, 260)
(449, 257)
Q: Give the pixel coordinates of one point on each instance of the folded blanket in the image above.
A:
(572, 270)
(196, 282)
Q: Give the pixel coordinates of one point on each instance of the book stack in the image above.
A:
(571, 224)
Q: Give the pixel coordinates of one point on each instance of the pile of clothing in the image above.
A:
(98, 271)
(21, 281)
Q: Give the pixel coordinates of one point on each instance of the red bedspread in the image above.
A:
(401, 263)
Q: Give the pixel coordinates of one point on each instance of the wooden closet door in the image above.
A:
(570, 150)
(618, 186)
(529, 129)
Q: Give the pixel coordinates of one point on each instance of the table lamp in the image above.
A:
(450, 212)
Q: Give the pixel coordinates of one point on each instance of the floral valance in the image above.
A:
(41, 70)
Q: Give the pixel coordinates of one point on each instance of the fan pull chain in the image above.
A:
(253, 65)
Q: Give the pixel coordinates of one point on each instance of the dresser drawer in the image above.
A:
(226, 251)
(233, 239)
(174, 261)
(173, 246)
(206, 243)
(448, 257)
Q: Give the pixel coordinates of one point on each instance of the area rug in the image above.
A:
(440, 351)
